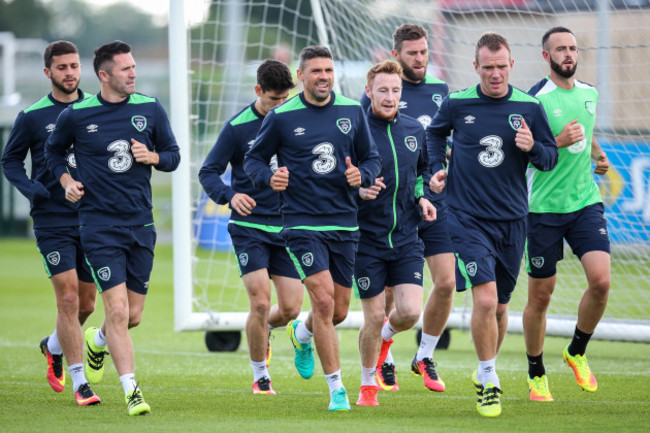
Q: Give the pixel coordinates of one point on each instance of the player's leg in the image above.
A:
(544, 248)
(369, 342)
(257, 331)
(589, 241)
(288, 287)
(434, 318)
(87, 299)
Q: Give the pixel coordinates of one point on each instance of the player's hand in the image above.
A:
(280, 179)
(429, 212)
(571, 134)
(352, 173)
(243, 204)
(524, 138)
(372, 192)
(602, 164)
(437, 182)
(142, 154)
(74, 190)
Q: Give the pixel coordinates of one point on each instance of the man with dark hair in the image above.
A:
(565, 203)
(421, 97)
(56, 221)
(390, 252)
(318, 136)
(255, 221)
(497, 131)
(118, 135)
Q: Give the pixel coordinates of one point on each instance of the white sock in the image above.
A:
(368, 376)
(78, 376)
(303, 334)
(487, 372)
(334, 381)
(389, 358)
(53, 345)
(100, 338)
(259, 370)
(387, 332)
(428, 344)
(128, 382)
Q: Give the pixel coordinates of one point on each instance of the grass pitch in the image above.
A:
(193, 390)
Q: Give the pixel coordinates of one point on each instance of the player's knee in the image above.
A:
(289, 312)
(599, 287)
(444, 287)
(260, 308)
(134, 320)
(68, 304)
(339, 316)
(85, 310)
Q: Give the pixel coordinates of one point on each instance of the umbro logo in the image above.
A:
(299, 131)
(603, 231)
(50, 127)
(469, 119)
(557, 112)
(92, 128)
(417, 275)
(403, 105)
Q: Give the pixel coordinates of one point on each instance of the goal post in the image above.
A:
(212, 73)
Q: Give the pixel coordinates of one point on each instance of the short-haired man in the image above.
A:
(565, 203)
(497, 131)
(255, 221)
(421, 97)
(56, 221)
(324, 150)
(390, 252)
(118, 135)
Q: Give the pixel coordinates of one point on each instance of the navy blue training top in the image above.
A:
(487, 171)
(236, 137)
(313, 142)
(117, 189)
(391, 220)
(32, 127)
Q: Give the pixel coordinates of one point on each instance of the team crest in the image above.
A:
(516, 121)
(140, 123)
(363, 283)
(471, 268)
(538, 262)
(411, 142)
(590, 107)
(344, 125)
(104, 273)
(243, 259)
(437, 99)
(54, 258)
(307, 259)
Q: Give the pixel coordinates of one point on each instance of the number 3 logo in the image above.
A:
(122, 160)
(493, 155)
(326, 161)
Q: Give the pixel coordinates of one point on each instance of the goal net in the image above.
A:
(216, 68)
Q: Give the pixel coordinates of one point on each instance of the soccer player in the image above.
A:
(497, 131)
(118, 135)
(255, 222)
(324, 150)
(56, 222)
(390, 252)
(422, 94)
(565, 203)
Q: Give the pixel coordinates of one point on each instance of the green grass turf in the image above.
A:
(193, 390)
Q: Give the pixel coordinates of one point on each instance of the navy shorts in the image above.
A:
(259, 249)
(60, 248)
(435, 234)
(118, 254)
(315, 251)
(584, 231)
(487, 251)
(403, 265)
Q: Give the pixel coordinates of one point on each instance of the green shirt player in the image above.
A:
(565, 203)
